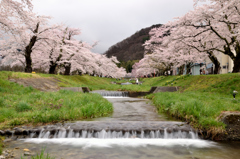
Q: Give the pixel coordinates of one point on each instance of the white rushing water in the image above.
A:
(103, 134)
(93, 142)
(114, 97)
(111, 94)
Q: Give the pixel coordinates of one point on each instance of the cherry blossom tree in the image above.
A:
(208, 30)
(108, 67)
(219, 23)
(187, 38)
(12, 14)
(73, 56)
(33, 36)
(32, 43)
(22, 29)
(167, 48)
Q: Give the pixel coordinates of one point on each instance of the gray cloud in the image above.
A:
(110, 21)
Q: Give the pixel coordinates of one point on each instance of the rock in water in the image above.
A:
(27, 154)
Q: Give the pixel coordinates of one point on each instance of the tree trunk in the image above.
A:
(28, 67)
(67, 69)
(236, 61)
(235, 58)
(188, 68)
(217, 68)
(181, 68)
(28, 51)
(52, 68)
(215, 61)
(53, 64)
(236, 67)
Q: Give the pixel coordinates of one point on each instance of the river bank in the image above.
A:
(203, 98)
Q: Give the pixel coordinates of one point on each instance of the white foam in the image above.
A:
(114, 97)
(136, 142)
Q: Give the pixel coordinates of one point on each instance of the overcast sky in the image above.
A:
(111, 21)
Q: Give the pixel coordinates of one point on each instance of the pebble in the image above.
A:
(27, 154)
(7, 154)
(2, 157)
(26, 150)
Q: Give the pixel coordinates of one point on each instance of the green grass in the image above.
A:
(200, 109)
(200, 100)
(24, 105)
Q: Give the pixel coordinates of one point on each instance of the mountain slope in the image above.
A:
(131, 48)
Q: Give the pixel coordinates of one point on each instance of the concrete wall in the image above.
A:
(165, 89)
(75, 89)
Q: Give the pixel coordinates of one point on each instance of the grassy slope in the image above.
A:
(201, 99)
(25, 105)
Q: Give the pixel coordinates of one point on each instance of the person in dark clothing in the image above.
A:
(234, 93)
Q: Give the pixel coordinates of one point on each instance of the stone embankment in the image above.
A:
(232, 121)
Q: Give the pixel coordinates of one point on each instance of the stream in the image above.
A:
(134, 131)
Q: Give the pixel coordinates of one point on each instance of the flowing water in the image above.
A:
(133, 131)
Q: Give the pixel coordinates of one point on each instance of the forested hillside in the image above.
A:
(131, 48)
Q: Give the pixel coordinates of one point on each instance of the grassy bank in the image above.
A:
(24, 105)
(201, 109)
(200, 100)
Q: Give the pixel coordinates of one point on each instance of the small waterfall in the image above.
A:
(70, 134)
(41, 134)
(142, 135)
(32, 135)
(193, 135)
(46, 135)
(108, 134)
(77, 135)
(84, 134)
(62, 133)
(165, 135)
(111, 93)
